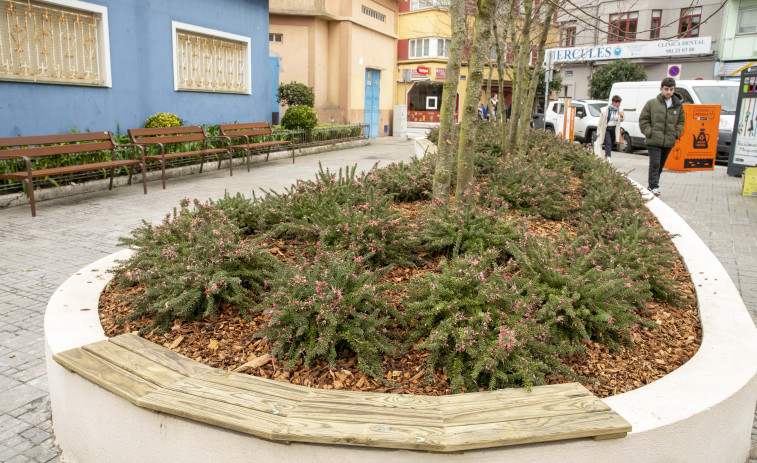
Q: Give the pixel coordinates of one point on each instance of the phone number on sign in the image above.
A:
(673, 51)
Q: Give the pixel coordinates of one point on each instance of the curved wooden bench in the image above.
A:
(156, 378)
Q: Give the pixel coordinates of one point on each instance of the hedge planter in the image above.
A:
(702, 412)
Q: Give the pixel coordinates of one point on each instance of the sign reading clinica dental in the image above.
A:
(657, 48)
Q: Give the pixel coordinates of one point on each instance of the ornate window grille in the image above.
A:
(207, 60)
(58, 41)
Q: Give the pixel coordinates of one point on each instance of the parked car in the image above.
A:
(636, 94)
(586, 121)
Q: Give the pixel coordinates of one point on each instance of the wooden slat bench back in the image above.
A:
(28, 148)
(162, 136)
(256, 135)
(158, 379)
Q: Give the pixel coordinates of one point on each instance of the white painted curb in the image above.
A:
(701, 412)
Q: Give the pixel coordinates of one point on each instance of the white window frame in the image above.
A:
(738, 23)
(428, 43)
(176, 26)
(103, 51)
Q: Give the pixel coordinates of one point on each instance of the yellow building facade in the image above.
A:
(345, 50)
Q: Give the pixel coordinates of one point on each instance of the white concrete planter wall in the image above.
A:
(701, 412)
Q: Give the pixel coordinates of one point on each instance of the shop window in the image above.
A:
(689, 24)
(654, 28)
(207, 60)
(623, 27)
(425, 96)
(60, 42)
(747, 21)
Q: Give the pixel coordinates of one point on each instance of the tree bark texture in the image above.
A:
(522, 54)
(529, 101)
(465, 156)
(446, 149)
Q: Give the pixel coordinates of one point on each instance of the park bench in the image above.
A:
(155, 378)
(256, 135)
(34, 150)
(179, 138)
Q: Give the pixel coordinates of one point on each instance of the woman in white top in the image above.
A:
(609, 125)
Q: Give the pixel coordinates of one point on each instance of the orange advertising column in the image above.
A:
(698, 145)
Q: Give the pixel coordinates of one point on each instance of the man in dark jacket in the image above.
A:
(661, 122)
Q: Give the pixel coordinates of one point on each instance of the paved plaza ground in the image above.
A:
(38, 254)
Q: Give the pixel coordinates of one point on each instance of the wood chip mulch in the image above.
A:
(229, 343)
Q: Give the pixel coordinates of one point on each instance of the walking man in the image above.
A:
(661, 122)
(608, 129)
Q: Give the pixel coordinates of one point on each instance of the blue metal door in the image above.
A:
(372, 88)
(273, 63)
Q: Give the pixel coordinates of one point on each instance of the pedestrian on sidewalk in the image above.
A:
(493, 107)
(661, 122)
(608, 130)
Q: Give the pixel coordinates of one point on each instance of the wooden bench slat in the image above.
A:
(55, 150)
(244, 125)
(185, 154)
(260, 145)
(263, 386)
(161, 355)
(526, 431)
(6, 142)
(100, 372)
(72, 169)
(151, 131)
(135, 364)
(214, 412)
(166, 139)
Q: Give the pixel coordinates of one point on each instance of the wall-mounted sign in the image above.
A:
(674, 71)
(423, 70)
(657, 48)
(440, 73)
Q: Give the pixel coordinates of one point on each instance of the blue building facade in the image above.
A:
(206, 62)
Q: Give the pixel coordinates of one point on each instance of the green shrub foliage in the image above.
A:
(163, 120)
(299, 118)
(325, 305)
(190, 263)
(500, 311)
(295, 94)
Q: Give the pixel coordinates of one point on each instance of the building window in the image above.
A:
(689, 24)
(272, 37)
(654, 28)
(421, 4)
(429, 48)
(207, 60)
(568, 36)
(747, 21)
(623, 27)
(54, 42)
(373, 14)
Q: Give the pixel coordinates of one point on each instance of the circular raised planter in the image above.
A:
(701, 412)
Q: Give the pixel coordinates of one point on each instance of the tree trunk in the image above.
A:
(465, 155)
(522, 55)
(443, 169)
(500, 71)
(528, 103)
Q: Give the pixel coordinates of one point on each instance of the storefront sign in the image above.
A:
(440, 73)
(657, 48)
(423, 70)
(744, 147)
(697, 147)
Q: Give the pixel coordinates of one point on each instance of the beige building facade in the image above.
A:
(345, 50)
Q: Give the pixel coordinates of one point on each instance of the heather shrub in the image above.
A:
(481, 327)
(531, 184)
(190, 263)
(580, 299)
(245, 213)
(320, 307)
(406, 182)
(467, 228)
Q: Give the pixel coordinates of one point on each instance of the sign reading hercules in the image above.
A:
(658, 48)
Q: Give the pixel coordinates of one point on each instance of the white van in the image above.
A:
(636, 94)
